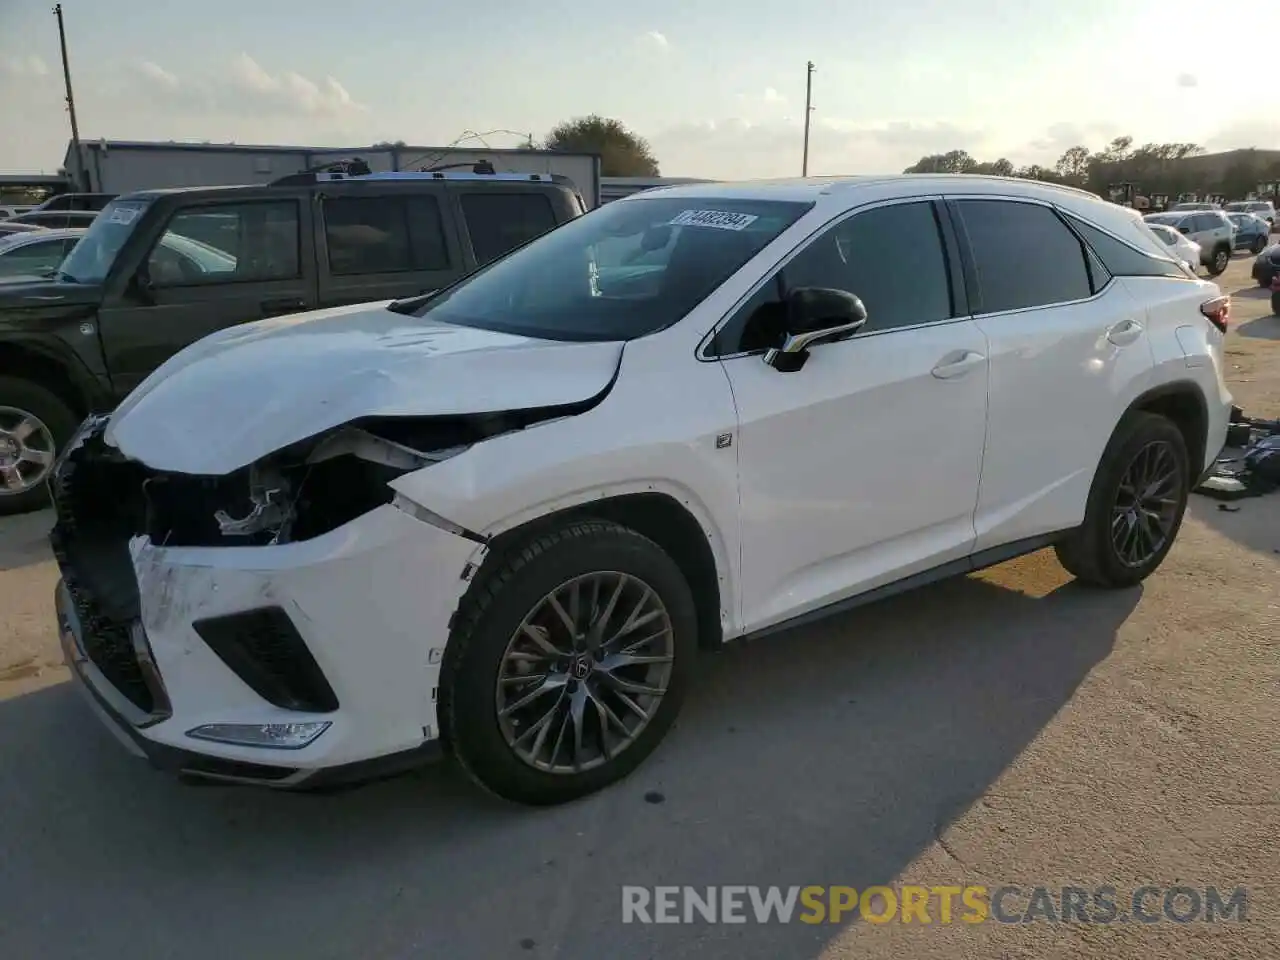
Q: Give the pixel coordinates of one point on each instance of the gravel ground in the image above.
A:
(1005, 728)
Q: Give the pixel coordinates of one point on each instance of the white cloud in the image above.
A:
(244, 88)
(289, 91)
(773, 96)
(155, 72)
(658, 39)
(1188, 80)
(31, 66)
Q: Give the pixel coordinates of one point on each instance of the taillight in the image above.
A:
(1217, 311)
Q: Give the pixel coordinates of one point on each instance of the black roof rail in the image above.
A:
(479, 166)
(333, 170)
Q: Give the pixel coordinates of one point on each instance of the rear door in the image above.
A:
(496, 221)
(212, 266)
(1067, 345)
(382, 246)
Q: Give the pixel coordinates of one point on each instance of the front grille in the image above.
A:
(264, 649)
(97, 497)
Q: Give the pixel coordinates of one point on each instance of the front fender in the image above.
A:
(658, 431)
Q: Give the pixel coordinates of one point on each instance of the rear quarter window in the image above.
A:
(1121, 259)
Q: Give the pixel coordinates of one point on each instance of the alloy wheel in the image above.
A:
(585, 672)
(1220, 260)
(1146, 504)
(27, 451)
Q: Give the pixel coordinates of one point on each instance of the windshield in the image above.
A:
(1239, 207)
(93, 256)
(625, 270)
(1164, 233)
(1168, 219)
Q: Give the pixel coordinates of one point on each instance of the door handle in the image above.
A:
(1125, 332)
(957, 364)
(282, 305)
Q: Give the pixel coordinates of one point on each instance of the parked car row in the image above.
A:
(502, 514)
(159, 270)
(1211, 230)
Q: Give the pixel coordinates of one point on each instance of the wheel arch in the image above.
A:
(1183, 403)
(671, 517)
(25, 360)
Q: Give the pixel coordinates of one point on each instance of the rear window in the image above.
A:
(499, 222)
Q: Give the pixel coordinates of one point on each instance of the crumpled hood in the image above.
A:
(242, 393)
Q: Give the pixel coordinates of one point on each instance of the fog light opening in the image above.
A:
(270, 736)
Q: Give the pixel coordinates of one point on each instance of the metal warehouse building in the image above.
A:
(122, 166)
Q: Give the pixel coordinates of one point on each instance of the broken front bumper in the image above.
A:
(368, 605)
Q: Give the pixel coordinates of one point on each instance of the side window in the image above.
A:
(1120, 259)
(31, 259)
(498, 222)
(891, 257)
(367, 235)
(228, 243)
(1200, 223)
(1024, 255)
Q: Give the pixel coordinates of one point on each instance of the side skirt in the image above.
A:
(955, 568)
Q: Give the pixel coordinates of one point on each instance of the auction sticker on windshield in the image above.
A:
(720, 219)
(125, 214)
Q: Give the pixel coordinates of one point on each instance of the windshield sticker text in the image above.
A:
(125, 215)
(720, 219)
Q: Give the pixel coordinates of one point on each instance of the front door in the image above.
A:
(214, 266)
(862, 467)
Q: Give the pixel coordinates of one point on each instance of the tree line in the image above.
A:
(1153, 167)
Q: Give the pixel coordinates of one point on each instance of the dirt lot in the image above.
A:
(1006, 728)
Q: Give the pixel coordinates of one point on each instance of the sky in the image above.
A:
(717, 88)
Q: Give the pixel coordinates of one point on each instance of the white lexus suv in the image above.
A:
(504, 518)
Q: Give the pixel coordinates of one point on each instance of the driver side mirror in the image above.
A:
(1184, 230)
(815, 315)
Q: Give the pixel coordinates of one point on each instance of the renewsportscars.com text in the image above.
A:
(933, 905)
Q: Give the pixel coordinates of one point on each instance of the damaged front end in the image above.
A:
(292, 495)
(105, 502)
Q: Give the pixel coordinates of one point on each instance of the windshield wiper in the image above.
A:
(409, 305)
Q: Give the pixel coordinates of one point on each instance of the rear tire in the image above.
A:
(1275, 302)
(1220, 260)
(500, 743)
(1259, 245)
(22, 401)
(1150, 450)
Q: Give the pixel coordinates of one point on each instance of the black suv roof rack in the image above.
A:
(357, 169)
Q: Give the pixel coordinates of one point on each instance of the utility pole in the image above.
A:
(71, 103)
(808, 110)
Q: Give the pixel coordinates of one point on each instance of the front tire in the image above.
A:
(1275, 302)
(1220, 260)
(34, 425)
(539, 713)
(1259, 245)
(1135, 507)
